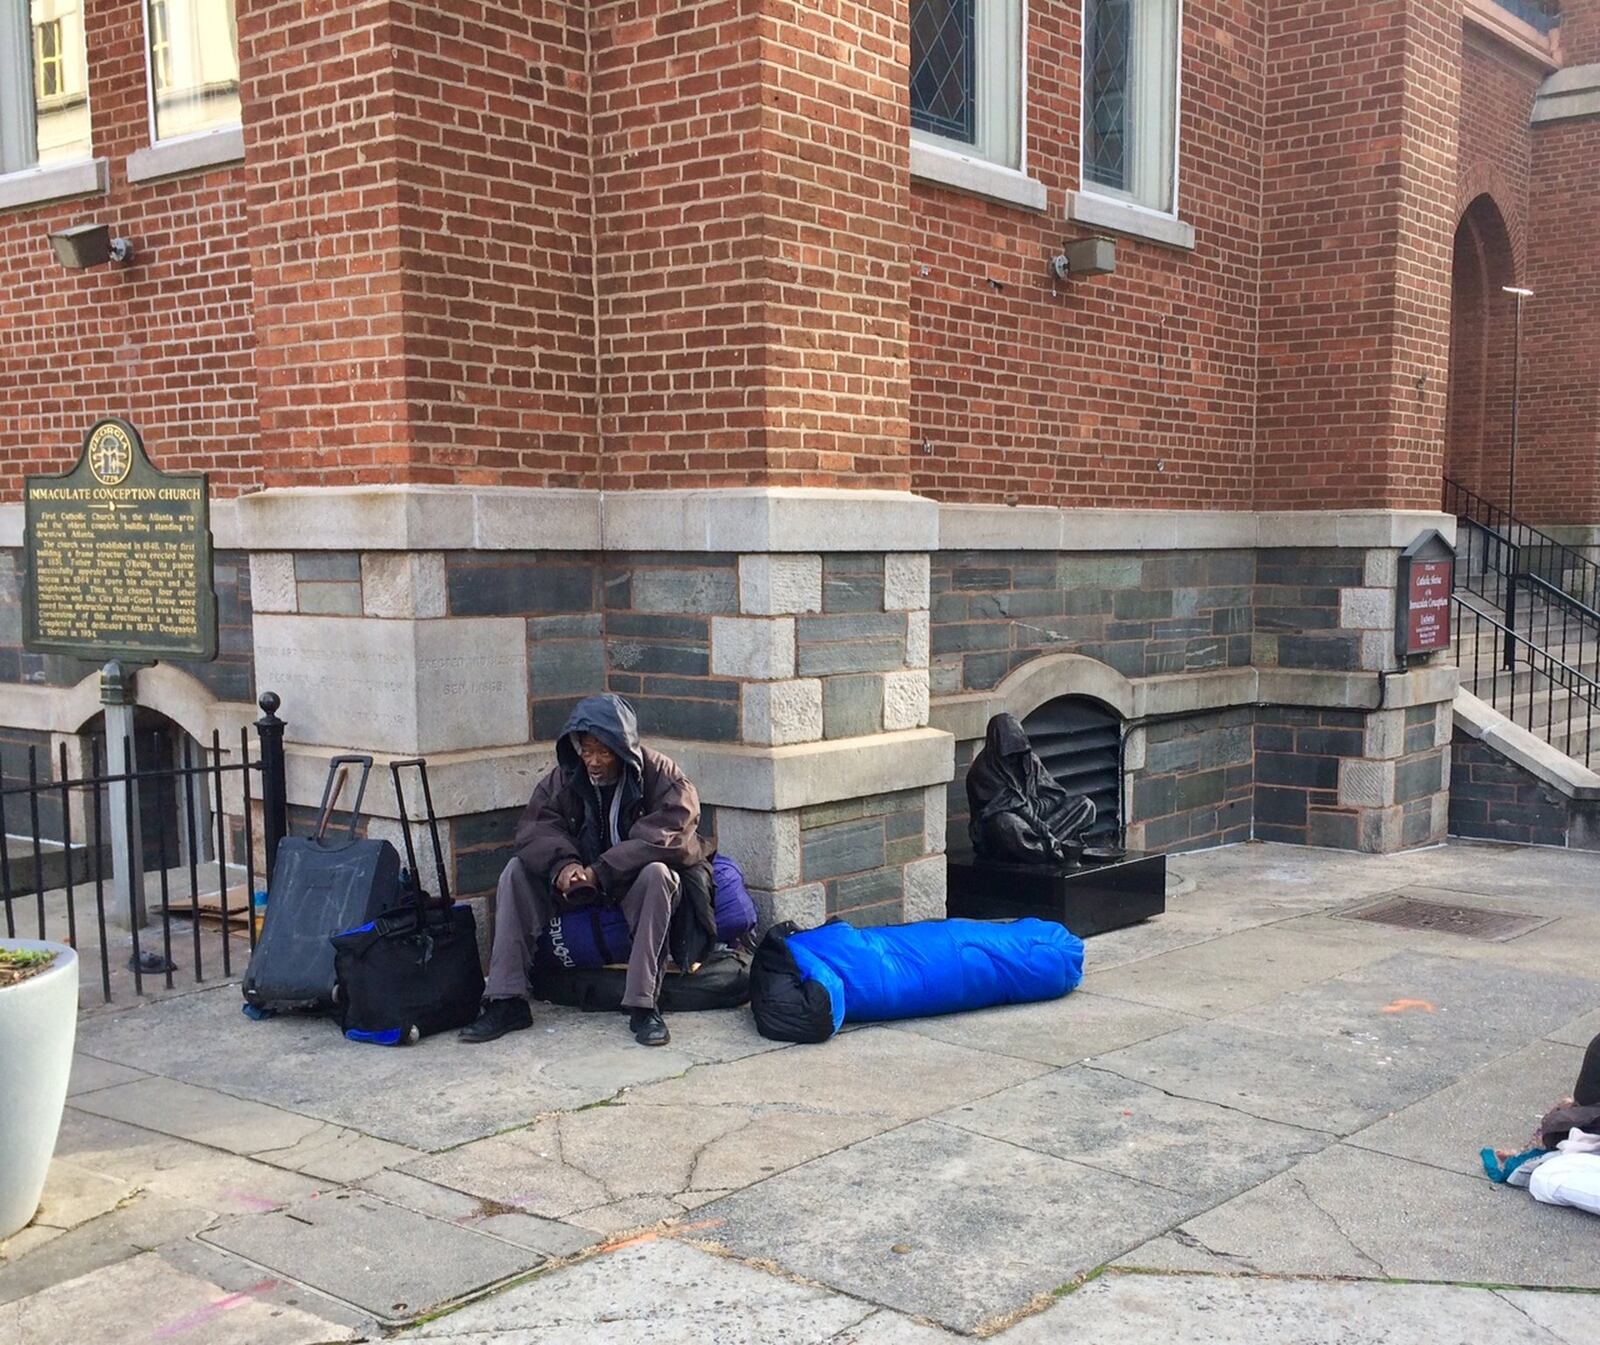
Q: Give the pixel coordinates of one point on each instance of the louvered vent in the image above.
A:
(1080, 742)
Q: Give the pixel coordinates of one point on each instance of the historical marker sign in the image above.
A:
(119, 557)
(1426, 575)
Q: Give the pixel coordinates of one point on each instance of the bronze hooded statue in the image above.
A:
(1019, 813)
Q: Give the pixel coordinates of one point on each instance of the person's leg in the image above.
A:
(522, 907)
(648, 906)
(521, 910)
(1586, 1092)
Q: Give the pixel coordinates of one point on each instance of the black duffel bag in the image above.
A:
(722, 981)
(408, 974)
(413, 970)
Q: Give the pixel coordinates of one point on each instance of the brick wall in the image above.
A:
(1360, 190)
(749, 177)
(1135, 389)
(1559, 479)
(166, 341)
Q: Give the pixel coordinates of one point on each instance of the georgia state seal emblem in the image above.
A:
(110, 454)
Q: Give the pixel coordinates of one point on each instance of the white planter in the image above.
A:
(38, 1023)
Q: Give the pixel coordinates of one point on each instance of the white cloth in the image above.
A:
(1568, 1179)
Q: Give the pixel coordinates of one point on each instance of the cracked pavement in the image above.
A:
(1256, 1120)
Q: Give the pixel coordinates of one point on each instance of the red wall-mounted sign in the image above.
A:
(1423, 602)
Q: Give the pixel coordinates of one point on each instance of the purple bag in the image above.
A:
(736, 913)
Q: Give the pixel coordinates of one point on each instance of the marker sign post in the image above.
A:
(1425, 580)
(119, 570)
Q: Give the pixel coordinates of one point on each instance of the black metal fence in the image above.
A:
(60, 885)
(1532, 687)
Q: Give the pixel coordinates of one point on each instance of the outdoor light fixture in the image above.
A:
(1086, 257)
(86, 245)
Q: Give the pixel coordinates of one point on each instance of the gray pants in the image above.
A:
(523, 906)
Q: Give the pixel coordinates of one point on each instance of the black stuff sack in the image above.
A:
(722, 981)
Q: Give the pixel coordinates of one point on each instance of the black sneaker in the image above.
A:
(648, 1028)
(499, 1017)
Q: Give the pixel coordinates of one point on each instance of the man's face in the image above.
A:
(599, 760)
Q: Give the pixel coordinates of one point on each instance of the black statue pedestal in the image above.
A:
(1087, 898)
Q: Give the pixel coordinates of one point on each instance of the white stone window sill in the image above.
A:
(1105, 213)
(934, 163)
(192, 154)
(53, 182)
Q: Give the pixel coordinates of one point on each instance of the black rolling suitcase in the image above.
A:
(414, 970)
(317, 888)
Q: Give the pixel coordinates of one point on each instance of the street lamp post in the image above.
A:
(1516, 397)
(1515, 568)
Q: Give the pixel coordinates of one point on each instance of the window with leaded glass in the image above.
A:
(44, 84)
(966, 76)
(943, 52)
(1130, 98)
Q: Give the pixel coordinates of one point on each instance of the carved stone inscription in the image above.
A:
(119, 557)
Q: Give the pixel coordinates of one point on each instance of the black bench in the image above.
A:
(1086, 898)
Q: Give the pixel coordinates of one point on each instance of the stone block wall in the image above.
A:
(1189, 783)
(1144, 614)
(761, 649)
(1493, 799)
(873, 860)
(1352, 779)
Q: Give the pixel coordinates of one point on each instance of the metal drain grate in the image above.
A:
(1472, 922)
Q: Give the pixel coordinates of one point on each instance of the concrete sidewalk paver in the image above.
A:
(1209, 980)
(1346, 1052)
(1056, 1032)
(1103, 1120)
(388, 1261)
(1498, 1107)
(658, 1292)
(428, 1096)
(1214, 1310)
(551, 1237)
(145, 1299)
(958, 1169)
(89, 1074)
(1579, 1032)
(596, 1167)
(1349, 1212)
(873, 1072)
(941, 1223)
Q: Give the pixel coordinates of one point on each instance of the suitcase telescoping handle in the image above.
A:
(330, 794)
(395, 767)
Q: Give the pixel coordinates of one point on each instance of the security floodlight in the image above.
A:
(1086, 257)
(1518, 291)
(86, 245)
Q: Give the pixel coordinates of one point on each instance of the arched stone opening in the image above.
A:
(1075, 710)
(1478, 417)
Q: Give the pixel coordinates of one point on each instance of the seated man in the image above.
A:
(613, 823)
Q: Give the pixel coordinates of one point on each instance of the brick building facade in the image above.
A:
(543, 348)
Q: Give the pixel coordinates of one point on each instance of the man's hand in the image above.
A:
(575, 875)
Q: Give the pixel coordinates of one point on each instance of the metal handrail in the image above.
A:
(1523, 538)
(1540, 672)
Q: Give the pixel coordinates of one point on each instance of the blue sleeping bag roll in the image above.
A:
(807, 984)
